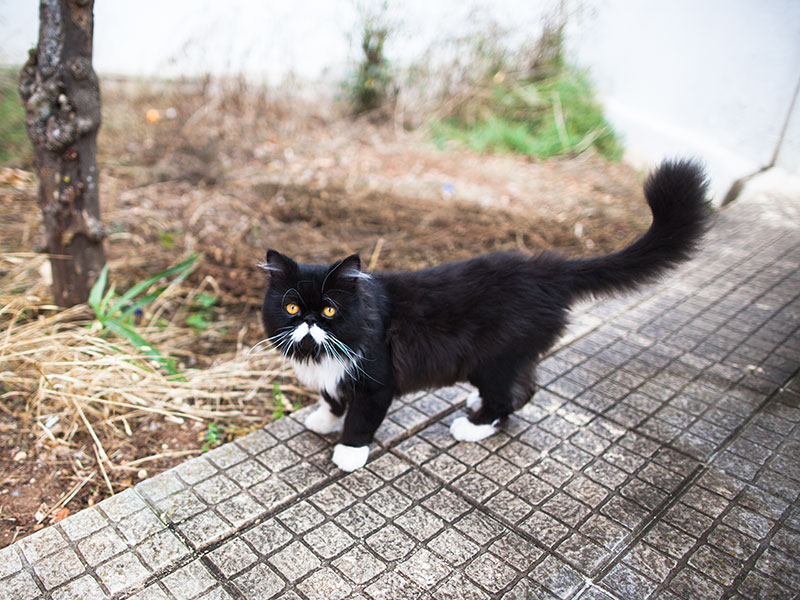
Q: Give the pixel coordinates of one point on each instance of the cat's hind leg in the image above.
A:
(504, 385)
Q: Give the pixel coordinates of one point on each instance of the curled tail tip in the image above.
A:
(677, 190)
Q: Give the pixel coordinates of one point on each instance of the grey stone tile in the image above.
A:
(83, 523)
(256, 442)
(9, 561)
(20, 586)
(189, 581)
(294, 561)
(120, 505)
(509, 506)
(655, 565)
(139, 525)
(273, 493)
(267, 537)
(390, 543)
(195, 470)
(240, 510)
(204, 529)
(557, 577)
(84, 588)
(161, 550)
(232, 557)
(424, 568)
(388, 501)
(57, 568)
(545, 529)
(40, 544)
(325, 584)
(454, 547)
(359, 565)
(216, 489)
(124, 572)
(151, 592)
(301, 517)
(179, 507)
(360, 520)
(158, 487)
(583, 554)
(491, 573)
(420, 523)
(393, 586)
(627, 583)
(101, 546)
(604, 531)
(715, 564)
(446, 505)
(458, 587)
(328, 540)
(688, 583)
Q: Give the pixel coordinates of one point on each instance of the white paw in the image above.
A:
(465, 431)
(474, 402)
(350, 458)
(323, 421)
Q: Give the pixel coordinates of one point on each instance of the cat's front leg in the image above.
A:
(364, 415)
(324, 419)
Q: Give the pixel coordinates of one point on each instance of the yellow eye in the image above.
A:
(292, 308)
(329, 311)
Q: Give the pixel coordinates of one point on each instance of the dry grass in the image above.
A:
(70, 383)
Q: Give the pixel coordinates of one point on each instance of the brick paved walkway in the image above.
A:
(661, 459)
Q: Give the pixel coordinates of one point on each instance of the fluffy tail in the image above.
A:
(676, 193)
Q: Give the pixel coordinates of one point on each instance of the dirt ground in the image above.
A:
(231, 183)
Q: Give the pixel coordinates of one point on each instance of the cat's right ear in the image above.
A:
(278, 264)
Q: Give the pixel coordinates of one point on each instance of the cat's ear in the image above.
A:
(349, 267)
(278, 264)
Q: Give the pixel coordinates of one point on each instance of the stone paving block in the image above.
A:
(240, 510)
(259, 583)
(161, 550)
(139, 525)
(205, 529)
(57, 568)
(42, 543)
(20, 586)
(196, 470)
(188, 582)
(359, 565)
(84, 588)
(83, 523)
(9, 561)
(122, 573)
(101, 546)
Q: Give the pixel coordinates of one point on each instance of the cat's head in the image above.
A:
(313, 311)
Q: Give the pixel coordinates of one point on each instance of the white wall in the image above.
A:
(711, 78)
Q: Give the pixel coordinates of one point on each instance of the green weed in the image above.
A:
(15, 148)
(118, 314)
(549, 117)
(214, 437)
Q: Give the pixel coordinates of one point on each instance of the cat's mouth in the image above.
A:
(308, 339)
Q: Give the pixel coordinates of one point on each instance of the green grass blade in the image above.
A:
(141, 344)
(143, 285)
(96, 293)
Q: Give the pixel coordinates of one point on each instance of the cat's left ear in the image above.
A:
(349, 267)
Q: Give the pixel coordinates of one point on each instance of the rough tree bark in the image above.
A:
(62, 113)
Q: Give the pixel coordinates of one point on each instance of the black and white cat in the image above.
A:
(361, 339)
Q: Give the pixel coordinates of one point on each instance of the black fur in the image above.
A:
(487, 320)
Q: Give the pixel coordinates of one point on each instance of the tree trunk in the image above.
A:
(62, 113)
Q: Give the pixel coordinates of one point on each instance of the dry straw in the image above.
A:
(67, 381)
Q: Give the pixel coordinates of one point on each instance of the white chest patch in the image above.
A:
(322, 376)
